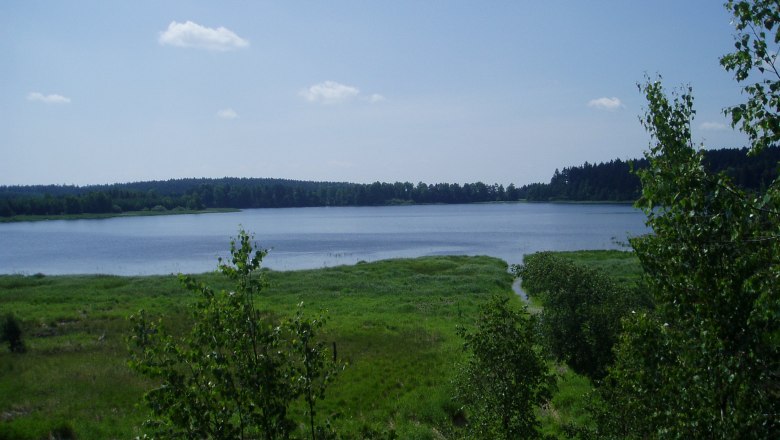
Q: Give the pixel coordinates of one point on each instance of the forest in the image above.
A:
(614, 180)
(608, 181)
(238, 193)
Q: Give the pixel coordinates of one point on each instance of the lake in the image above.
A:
(306, 238)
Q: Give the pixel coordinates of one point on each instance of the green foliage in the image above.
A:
(622, 266)
(569, 413)
(197, 194)
(11, 332)
(239, 371)
(756, 50)
(610, 181)
(394, 322)
(617, 181)
(505, 379)
(46, 429)
(582, 308)
(706, 363)
(314, 371)
(635, 399)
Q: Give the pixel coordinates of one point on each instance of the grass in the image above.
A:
(393, 321)
(568, 405)
(622, 266)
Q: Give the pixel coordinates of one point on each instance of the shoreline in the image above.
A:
(100, 216)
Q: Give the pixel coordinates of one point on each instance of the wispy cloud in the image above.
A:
(329, 92)
(47, 99)
(332, 92)
(605, 103)
(376, 97)
(191, 34)
(713, 126)
(227, 113)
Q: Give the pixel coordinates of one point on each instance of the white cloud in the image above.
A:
(191, 34)
(47, 99)
(329, 92)
(605, 103)
(713, 126)
(227, 113)
(376, 97)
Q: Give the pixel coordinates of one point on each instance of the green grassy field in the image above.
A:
(621, 265)
(393, 321)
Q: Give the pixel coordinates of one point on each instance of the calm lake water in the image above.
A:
(303, 238)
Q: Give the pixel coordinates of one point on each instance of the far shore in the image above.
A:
(93, 216)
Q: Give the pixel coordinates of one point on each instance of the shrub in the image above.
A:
(506, 377)
(580, 322)
(11, 332)
(63, 431)
(238, 372)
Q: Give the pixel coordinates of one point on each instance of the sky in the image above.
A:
(95, 92)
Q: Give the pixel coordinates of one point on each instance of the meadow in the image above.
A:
(393, 322)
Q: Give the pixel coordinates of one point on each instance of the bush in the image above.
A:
(506, 377)
(583, 307)
(63, 431)
(239, 371)
(11, 332)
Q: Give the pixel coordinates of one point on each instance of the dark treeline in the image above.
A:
(610, 181)
(241, 193)
(614, 181)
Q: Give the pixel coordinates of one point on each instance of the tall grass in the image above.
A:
(393, 322)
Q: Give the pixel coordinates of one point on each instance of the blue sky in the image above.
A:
(437, 91)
